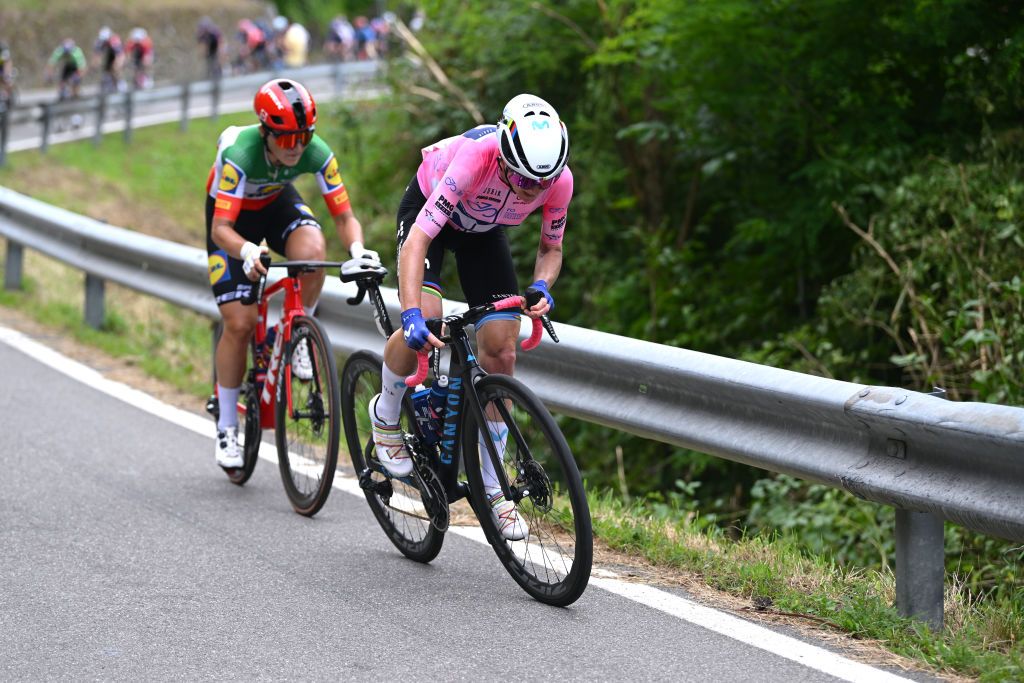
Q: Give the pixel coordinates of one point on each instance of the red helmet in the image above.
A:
(285, 106)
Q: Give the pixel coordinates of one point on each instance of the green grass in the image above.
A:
(161, 171)
(980, 639)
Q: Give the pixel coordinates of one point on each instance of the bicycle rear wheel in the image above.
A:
(249, 426)
(248, 421)
(396, 503)
(552, 561)
(308, 424)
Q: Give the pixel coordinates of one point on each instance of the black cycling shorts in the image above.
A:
(483, 259)
(274, 223)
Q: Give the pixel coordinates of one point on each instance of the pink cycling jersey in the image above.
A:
(461, 180)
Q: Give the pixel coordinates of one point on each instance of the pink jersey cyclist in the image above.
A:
(464, 188)
(467, 191)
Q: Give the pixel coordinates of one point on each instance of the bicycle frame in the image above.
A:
(462, 366)
(277, 375)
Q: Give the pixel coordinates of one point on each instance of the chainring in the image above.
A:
(432, 493)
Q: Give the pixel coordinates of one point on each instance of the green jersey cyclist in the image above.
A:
(468, 190)
(250, 197)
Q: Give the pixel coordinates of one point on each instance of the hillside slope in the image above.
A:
(34, 29)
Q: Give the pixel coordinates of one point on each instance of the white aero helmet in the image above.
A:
(532, 140)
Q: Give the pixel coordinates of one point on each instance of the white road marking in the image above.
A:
(746, 632)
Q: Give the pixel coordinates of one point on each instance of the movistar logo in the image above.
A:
(540, 125)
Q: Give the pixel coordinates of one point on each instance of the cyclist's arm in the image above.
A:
(410, 273)
(349, 228)
(549, 251)
(227, 205)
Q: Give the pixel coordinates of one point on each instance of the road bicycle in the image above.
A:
(533, 464)
(303, 412)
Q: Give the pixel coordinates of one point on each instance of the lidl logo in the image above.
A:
(217, 267)
(228, 178)
(331, 175)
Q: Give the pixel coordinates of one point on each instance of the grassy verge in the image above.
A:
(156, 186)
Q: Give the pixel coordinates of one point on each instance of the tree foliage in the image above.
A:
(830, 187)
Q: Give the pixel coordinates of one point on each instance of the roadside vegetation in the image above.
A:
(841, 197)
(804, 567)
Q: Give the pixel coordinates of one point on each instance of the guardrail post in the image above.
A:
(13, 266)
(94, 287)
(216, 99)
(47, 120)
(920, 566)
(4, 133)
(129, 101)
(921, 562)
(101, 115)
(186, 95)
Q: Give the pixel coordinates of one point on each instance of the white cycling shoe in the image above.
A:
(302, 366)
(506, 516)
(229, 453)
(389, 444)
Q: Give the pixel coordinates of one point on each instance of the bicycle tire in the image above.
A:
(308, 436)
(403, 523)
(248, 422)
(552, 563)
(249, 426)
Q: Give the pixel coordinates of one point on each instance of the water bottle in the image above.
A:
(424, 416)
(438, 397)
(263, 358)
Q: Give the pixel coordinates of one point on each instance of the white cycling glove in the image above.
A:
(250, 256)
(358, 251)
(362, 260)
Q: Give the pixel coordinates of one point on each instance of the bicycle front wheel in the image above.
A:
(396, 503)
(308, 426)
(550, 550)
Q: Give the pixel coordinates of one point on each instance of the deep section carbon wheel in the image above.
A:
(308, 422)
(551, 552)
(396, 503)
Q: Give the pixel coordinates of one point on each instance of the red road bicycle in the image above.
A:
(303, 412)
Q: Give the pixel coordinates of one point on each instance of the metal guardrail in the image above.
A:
(123, 112)
(931, 459)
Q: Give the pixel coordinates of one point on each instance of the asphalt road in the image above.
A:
(126, 554)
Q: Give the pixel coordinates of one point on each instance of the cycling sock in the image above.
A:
(309, 310)
(227, 397)
(499, 436)
(389, 405)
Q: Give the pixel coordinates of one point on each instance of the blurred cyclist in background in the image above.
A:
(211, 47)
(66, 65)
(140, 55)
(253, 51)
(340, 43)
(7, 75)
(108, 56)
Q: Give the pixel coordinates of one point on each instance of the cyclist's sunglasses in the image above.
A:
(524, 183)
(289, 139)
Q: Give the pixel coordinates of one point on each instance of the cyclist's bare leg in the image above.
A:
(307, 243)
(239, 324)
(496, 345)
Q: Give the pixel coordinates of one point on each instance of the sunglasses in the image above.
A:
(289, 139)
(524, 183)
